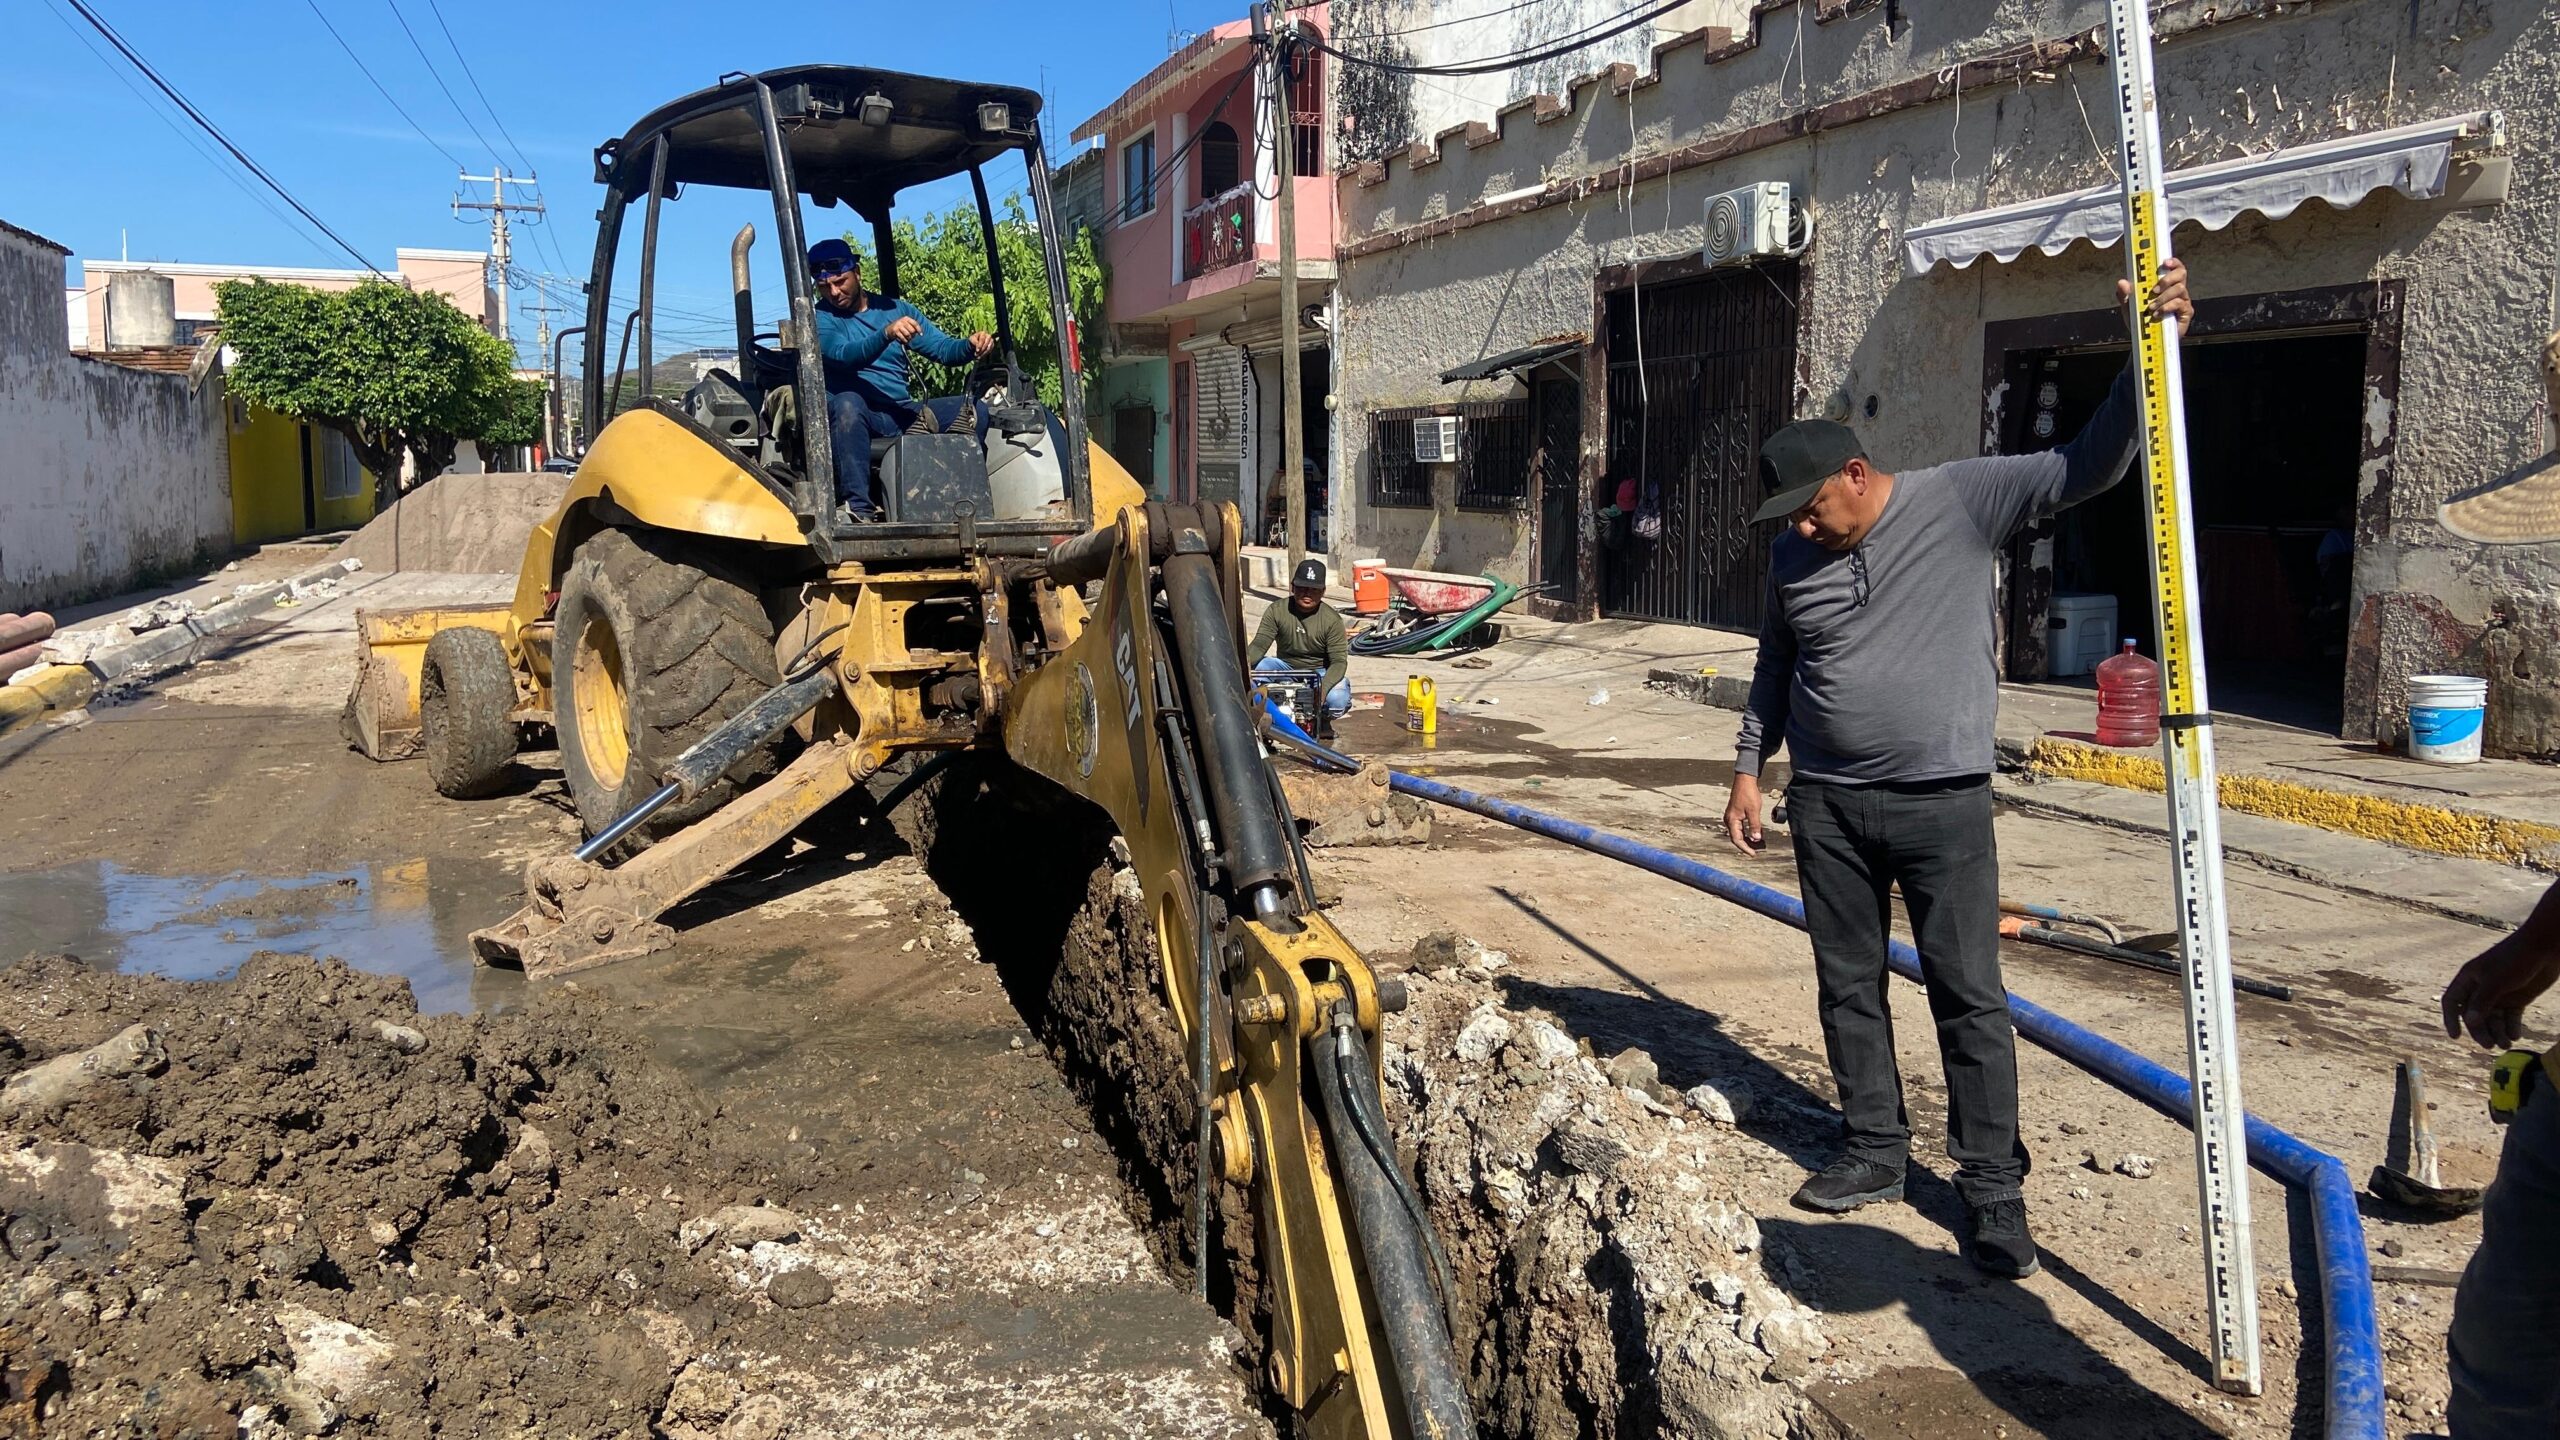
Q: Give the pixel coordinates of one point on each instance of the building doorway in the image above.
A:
(1557, 425)
(1700, 371)
(2278, 450)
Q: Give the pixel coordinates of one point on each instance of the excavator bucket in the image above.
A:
(381, 718)
(1356, 809)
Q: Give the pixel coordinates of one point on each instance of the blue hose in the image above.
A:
(2354, 1349)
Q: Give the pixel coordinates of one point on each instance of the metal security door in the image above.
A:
(1700, 372)
(1220, 422)
(1559, 481)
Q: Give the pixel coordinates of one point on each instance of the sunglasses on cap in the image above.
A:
(831, 271)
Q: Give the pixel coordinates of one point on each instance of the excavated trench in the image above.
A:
(1610, 1282)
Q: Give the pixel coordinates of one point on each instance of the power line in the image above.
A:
(160, 112)
(1582, 40)
(438, 77)
(198, 116)
(1436, 25)
(494, 119)
(379, 88)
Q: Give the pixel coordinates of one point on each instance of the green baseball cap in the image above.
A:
(1795, 461)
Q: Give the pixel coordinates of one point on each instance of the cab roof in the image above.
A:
(714, 137)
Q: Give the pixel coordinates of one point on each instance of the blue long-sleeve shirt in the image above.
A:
(862, 358)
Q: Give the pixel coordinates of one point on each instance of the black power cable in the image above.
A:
(1514, 61)
(379, 89)
(192, 141)
(438, 76)
(183, 103)
(494, 118)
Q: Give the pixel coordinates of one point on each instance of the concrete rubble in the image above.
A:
(1609, 1275)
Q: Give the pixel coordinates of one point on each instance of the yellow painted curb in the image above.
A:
(55, 687)
(2438, 829)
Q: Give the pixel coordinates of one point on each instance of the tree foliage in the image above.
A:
(396, 371)
(942, 271)
(519, 421)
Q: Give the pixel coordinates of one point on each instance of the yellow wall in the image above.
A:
(267, 479)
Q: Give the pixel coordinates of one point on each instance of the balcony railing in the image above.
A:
(1218, 233)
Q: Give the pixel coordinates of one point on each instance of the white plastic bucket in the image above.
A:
(2445, 715)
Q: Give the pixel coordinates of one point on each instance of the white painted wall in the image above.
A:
(1382, 111)
(106, 474)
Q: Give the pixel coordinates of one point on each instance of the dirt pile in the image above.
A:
(1613, 1283)
(289, 1204)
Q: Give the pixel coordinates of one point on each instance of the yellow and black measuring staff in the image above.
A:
(2186, 733)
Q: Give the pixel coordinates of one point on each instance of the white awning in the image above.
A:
(2412, 159)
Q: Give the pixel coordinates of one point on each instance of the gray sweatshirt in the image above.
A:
(1876, 664)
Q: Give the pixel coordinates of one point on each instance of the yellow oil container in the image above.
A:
(1421, 705)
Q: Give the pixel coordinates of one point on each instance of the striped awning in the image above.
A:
(2415, 160)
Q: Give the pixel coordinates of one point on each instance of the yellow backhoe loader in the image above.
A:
(722, 652)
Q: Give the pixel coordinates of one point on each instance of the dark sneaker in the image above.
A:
(1999, 1244)
(1849, 1182)
(847, 516)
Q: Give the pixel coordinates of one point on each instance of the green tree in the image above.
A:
(519, 418)
(397, 371)
(942, 271)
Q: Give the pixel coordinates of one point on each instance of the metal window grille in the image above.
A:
(1494, 446)
(1306, 114)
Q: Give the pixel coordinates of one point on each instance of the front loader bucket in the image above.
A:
(381, 718)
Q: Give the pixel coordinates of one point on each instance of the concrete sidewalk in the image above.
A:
(2476, 843)
(2502, 811)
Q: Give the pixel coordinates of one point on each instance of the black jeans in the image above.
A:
(1854, 843)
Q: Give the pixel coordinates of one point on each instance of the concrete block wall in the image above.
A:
(107, 474)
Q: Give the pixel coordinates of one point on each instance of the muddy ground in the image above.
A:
(846, 1047)
(826, 1040)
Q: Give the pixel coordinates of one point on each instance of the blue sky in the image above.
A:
(90, 166)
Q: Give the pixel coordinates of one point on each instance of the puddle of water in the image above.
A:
(410, 919)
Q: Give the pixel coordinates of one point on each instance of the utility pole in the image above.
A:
(498, 206)
(542, 314)
(1293, 433)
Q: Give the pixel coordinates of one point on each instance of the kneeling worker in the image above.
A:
(1310, 637)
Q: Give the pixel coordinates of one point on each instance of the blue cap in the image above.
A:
(829, 256)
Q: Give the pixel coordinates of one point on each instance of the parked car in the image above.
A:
(558, 465)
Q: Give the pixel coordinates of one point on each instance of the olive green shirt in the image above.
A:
(1307, 642)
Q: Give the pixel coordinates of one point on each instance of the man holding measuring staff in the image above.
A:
(1876, 672)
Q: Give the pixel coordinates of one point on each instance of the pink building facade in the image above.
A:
(461, 276)
(1189, 388)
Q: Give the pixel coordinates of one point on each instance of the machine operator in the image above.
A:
(865, 339)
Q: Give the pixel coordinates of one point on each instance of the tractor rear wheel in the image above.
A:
(654, 644)
(466, 691)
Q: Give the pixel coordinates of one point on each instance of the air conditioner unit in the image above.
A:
(1753, 221)
(1435, 440)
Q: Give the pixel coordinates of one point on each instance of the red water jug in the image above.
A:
(2128, 700)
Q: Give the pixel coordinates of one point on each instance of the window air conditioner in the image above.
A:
(1435, 440)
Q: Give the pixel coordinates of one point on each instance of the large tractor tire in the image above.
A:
(653, 645)
(466, 691)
